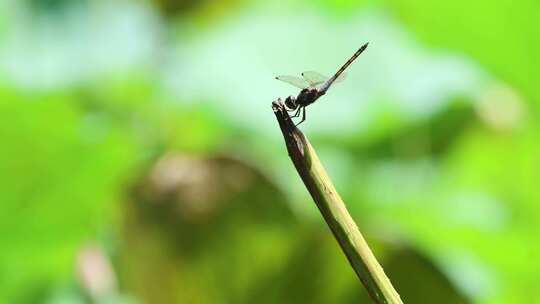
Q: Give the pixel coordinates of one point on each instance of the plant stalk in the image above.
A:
(334, 212)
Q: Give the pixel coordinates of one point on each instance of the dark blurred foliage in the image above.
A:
(254, 250)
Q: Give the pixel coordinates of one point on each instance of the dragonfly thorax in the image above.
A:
(306, 97)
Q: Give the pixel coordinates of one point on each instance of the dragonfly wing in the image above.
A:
(314, 78)
(295, 81)
(341, 77)
(339, 72)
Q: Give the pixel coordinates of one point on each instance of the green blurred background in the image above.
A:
(140, 161)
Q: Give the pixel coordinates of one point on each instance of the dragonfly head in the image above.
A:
(290, 103)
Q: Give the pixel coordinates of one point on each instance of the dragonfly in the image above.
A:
(313, 85)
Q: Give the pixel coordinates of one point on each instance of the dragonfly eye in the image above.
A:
(290, 102)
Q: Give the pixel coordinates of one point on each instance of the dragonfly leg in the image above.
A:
(297, 113)
(303, 117)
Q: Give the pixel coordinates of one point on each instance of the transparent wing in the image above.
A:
(314, 78)
(341, 77)
(295, 81)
